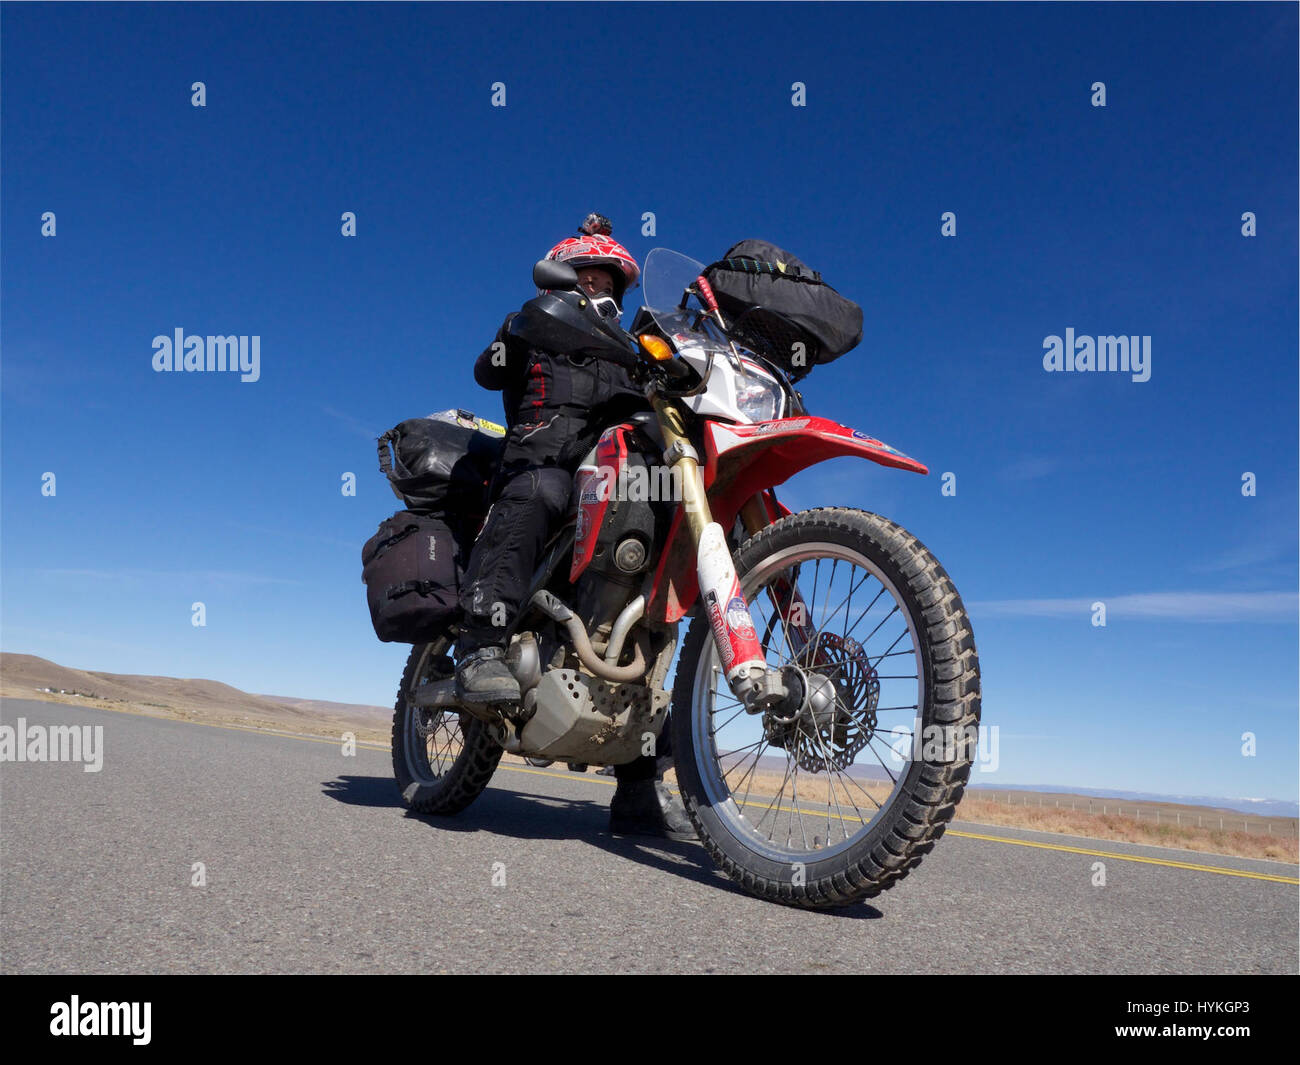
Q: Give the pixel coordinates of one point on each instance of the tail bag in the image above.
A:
(442, 463)
(773, 302)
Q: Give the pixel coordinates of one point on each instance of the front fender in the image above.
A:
(732, 466)
(743, 460)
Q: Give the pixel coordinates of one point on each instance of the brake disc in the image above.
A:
(427, 721)
(839, 716)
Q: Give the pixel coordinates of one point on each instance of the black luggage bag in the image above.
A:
(441, 467)
(443, 463)
(412, 568)
(773, 302)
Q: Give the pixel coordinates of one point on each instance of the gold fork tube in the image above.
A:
(695, 501)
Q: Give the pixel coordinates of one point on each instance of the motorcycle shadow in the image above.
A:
(529, 815)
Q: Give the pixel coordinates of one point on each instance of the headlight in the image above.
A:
(759, 401)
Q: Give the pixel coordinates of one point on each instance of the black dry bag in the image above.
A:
(442, 464)
(773, 301)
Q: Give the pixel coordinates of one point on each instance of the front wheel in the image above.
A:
(837, 801)
(442, 758)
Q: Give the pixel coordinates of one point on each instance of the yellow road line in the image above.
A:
(566, 775)
(1131, 858)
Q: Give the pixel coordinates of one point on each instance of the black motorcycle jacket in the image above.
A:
(555, 404)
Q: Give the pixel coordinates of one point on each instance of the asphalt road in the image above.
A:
(312, 865)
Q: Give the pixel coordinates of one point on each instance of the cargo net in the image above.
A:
(774, 337)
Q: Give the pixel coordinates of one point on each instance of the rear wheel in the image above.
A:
(442, 758)
(838, 801)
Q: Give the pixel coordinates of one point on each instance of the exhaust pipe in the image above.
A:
(627, 617)
(549, 605)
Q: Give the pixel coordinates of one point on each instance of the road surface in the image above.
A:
(311, 864)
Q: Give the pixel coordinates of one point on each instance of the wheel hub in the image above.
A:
(837, 715)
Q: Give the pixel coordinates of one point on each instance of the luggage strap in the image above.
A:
(746, 265)
(385, 459)
(396, 591)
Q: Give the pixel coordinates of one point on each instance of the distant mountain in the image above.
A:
(28, 676)
(322, 706)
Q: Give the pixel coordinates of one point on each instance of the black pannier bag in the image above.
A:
(440, 467)
(442, 464)
(412, 568)
(772, 301)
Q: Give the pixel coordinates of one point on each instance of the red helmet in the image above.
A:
(597, 248)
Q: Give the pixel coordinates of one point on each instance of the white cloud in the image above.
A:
(214, 576)
(1169, 606)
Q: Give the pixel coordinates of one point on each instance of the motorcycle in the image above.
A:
(808, 775)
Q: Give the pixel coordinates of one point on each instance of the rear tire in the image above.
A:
(884, 836)
(442, 759)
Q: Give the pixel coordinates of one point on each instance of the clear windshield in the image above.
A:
(665, 281)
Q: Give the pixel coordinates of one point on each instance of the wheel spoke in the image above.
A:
(794, 806)
(818, 634)
(830, 788)
(780, 793)
(757, 758)
(892, 779)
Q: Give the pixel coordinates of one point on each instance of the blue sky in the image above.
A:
(1071, 488)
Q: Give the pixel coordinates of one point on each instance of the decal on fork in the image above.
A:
(729, 617)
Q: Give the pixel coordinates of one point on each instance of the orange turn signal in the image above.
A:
(656, 347)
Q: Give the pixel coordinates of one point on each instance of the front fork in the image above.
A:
(743, 662)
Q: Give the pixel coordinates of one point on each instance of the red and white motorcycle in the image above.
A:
(826, 699)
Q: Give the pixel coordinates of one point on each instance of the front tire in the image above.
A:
(881, 781)
(442, 759)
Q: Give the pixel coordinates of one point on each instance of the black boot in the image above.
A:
(482, 676)
(648, 808)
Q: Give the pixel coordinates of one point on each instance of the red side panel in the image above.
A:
(742, 460)
(594, 486)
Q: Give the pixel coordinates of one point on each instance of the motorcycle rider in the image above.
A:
(556, 406)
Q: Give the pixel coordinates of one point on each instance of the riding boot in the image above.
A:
(643, 806)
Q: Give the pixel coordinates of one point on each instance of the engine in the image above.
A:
(627, 527)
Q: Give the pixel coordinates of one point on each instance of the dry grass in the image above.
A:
(1131, 830)
(364, 733)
